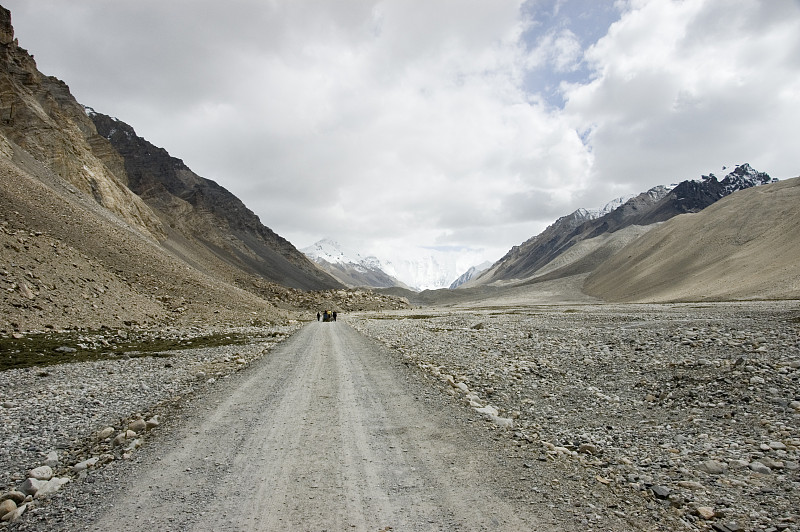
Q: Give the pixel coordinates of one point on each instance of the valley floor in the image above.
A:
(580, 417)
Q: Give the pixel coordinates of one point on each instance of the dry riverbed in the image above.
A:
(684, 412)
(594, 417)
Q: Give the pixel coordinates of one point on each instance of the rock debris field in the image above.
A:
(59, 423)
(673, 415)
(621, 417)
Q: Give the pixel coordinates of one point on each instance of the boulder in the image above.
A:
(16, 496)
(31, 485)
(137, 425)
(105, 433)
(50, 487)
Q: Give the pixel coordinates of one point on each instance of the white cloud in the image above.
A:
(430, 123)
(683, 87)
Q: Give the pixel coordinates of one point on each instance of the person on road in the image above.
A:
(317, 316)
(334, 315)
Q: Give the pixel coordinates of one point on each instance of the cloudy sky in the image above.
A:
(453, 124)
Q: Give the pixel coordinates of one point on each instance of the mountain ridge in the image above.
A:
(201, 212)
(349, 267)
(745, 246)
(658, 204)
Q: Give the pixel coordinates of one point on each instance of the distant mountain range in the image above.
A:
(653, 206)
(348, 266)
(100, 228)
(417, 269)
(551, 253)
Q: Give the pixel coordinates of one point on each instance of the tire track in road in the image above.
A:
(324, 433)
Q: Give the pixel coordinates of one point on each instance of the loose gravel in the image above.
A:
(57, 414)
(684, 411)
(647, 417)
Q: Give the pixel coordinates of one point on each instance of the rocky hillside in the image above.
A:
(204, 223)
(745, 246)
(79, 248)
(656, 205)
(39, 115)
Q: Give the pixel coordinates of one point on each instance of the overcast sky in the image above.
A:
(449, 123)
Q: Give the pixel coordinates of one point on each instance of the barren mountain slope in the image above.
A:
(65, 261)
(41, 116)
(656, 205)
(746, 246)
(205, 223)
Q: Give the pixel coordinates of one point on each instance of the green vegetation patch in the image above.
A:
(47, 349)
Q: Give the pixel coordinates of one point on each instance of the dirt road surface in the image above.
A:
(327, 432)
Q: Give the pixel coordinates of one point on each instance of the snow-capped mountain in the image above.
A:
(417, 268)
(431, 268)
(470, 274)
(742, 176)
(656, 205)
(591, 214)
(348, 266)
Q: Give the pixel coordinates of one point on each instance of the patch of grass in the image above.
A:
(47, 349)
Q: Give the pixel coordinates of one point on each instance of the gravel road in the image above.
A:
(606, 418)
(328, 432)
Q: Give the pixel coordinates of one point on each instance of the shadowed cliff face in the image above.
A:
(201, 214)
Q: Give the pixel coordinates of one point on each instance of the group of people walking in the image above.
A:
(326, 315)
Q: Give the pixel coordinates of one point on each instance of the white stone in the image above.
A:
(41, 473)
(86, 464)
(50, 487)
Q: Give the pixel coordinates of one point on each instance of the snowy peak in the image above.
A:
(331, 251)
(348, 266)
(470, 274)
(742, 176)
(592, 214)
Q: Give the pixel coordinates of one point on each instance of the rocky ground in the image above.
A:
(79, 416)
(684, 413)
(666, 417)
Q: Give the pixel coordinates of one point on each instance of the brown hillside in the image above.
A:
(746, 246)
(66, 262)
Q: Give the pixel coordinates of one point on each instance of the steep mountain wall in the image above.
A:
(39, 114)
(207, 225)
(80, 249)
(66, 263)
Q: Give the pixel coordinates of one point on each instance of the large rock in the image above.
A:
(31, 485)
(41, 473)
(50, 487)
(7, 506)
